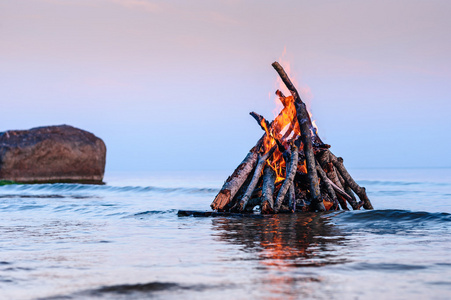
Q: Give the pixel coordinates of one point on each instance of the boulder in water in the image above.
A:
(51, 154)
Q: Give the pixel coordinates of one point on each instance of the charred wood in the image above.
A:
(264, 124)
(306, 136)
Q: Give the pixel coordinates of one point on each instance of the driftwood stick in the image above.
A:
(280, 94)
(265, 126)
(258, 170)
(269, 177)
(239, 194)
(348, 190)
(338, 190)
(236, 180)
(291, 171)
(360, 191)
(353, 200)
(292, 198)
(326, 181)
(328, 166)
(261, 121)
(306, 135)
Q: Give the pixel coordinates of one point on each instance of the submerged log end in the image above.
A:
(221, 200)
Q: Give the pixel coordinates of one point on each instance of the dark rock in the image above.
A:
(51, 154)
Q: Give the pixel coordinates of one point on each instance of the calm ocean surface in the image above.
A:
(124, 240)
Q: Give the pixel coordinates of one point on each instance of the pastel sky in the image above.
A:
(168, 85)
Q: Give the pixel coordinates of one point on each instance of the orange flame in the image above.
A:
(285, 127)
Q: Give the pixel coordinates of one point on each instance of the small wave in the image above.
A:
(132, 290)
(390, 222)
(387, 267)
(401, 183)
(393, 215)
(50, 196)
(59, 190)
(154, 212)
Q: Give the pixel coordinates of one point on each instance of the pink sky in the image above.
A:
(169, 84)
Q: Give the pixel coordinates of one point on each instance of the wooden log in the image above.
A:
(338, 190)
(292, 198)
(280, 94)
(326, 181)
(306, 136)
(291, 171)
(269, 177)
(194, 213)
(240, 192)
(261, 121)
(328, 167)
(353, 200)
(258, 170)
(360, 191)
(236, 180)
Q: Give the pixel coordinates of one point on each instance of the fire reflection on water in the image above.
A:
(285, 243)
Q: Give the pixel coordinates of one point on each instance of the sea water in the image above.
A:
(124, 240)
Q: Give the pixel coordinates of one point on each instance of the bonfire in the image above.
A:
(290, 169)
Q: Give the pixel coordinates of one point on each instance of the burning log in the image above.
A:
(291, 171)
(261, 121)
(289, 168)
(306, 136)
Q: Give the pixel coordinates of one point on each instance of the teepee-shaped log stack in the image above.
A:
(290, 169)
